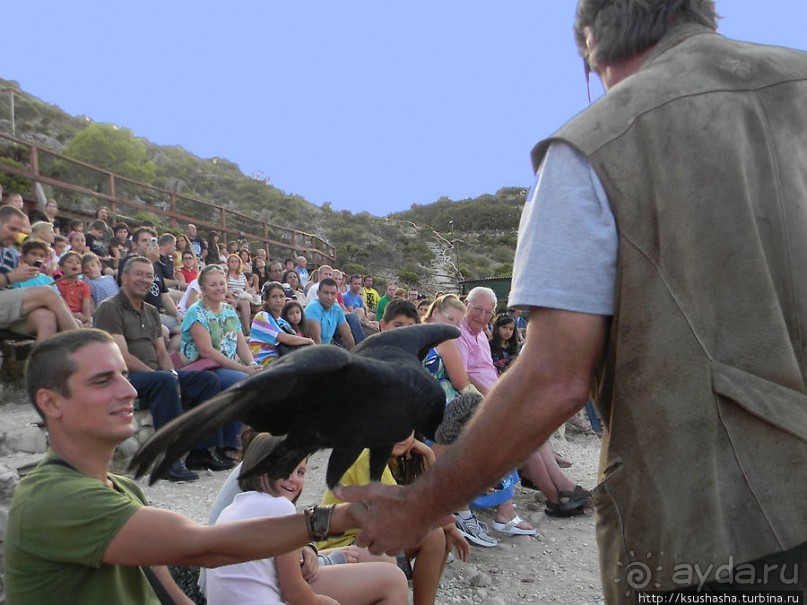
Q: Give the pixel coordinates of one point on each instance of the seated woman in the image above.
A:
(212, 255)
(269, 328)
(291, 278)
(239, 294)
(246, 262)
(280, 579)
(433, 550)
(210, 330)
(260, 274)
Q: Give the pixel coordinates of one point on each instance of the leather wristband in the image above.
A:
(318, 519)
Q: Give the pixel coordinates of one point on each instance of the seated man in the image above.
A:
(144, 243)
(389, 294)
(371, 298)
(324, 272)
(77, 534)
(14, 200)
(196, 241)
(354, 303)
(135, 327)
(39, 311)
(300, 264)
(324, 317)
(167, 245)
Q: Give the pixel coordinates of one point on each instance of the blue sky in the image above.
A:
(372, 106)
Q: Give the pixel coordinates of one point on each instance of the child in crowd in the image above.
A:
(269, 329)
(75, 292)
(97, 243)
(122, 241)
(77, 241)
(433, 550)
(34, 253)
(504, 342)
(282, 579)
(75, 225)
(293, 313)
(101, 286)
(59, 247)
(43, 230)
(189, 269)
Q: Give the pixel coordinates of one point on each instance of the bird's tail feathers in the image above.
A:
(180, 435)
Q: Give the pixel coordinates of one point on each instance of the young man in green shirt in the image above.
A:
(78, 534)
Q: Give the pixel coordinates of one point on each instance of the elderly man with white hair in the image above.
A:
(475, 351)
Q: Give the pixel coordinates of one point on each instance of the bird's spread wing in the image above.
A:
(266, 401)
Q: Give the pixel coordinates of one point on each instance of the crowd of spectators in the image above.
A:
(193, 317)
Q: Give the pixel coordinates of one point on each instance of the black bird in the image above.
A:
(321, 397)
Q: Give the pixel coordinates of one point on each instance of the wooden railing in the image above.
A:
(91, 187)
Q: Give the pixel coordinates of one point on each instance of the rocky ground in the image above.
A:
(560, 566)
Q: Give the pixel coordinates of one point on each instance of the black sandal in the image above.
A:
(577, 502)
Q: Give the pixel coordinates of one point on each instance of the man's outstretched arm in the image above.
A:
(153, 536)
(548, 383)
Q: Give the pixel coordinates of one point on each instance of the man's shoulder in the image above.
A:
(314, 310)
(353, 299)
(55, 487)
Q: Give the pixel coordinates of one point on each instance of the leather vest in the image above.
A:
(703, 154)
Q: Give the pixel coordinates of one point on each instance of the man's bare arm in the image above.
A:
(347, 336)
(155, 536)
(315, 329)
(163, 357)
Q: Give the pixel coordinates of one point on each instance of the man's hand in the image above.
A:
(391, 523)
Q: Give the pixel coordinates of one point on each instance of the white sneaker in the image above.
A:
(475, 531)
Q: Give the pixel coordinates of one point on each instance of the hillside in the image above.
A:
(429, 246)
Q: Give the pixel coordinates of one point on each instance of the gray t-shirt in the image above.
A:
(567, 239)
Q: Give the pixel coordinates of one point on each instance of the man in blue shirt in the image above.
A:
(324, 317)
(354, 303)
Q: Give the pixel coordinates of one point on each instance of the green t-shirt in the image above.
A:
(379, 308)
(59, 526)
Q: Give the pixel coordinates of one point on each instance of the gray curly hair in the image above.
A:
(625, 28)
(457, 414)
